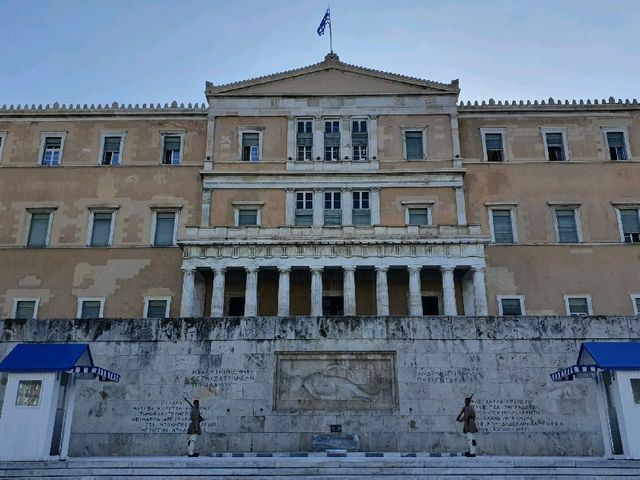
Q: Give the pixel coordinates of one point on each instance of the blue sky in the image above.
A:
(88, 51)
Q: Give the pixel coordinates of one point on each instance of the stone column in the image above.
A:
(347, 207)
(382, 291)
(290, 206)
(373, 137)
(461, 208)
(187, 306)
(318, 207)
(318, 139)
(479, 290)
(291, 138)
(415, 291)
(217, 297)
(283, 292)
(455, 138)
(468, 297)
(349, 289)
(251, 292)
(316, 291)
(205, 211)
(375, 206)
(448, 291)
(345, 138)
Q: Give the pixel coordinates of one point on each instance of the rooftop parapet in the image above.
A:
(101, 109)
(550, 104)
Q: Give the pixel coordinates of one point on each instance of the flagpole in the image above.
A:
(330, 35)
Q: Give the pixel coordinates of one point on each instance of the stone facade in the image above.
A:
(396, 382)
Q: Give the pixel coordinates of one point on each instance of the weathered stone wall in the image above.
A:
(270, 384)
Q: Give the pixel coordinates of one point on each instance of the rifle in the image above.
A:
(191, 405)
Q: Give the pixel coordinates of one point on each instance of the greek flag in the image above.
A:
(326, 20)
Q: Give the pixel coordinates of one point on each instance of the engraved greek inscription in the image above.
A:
(449, 375)
(513, 415)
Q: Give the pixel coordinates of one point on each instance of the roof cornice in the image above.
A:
(549, 105)
(115, 108)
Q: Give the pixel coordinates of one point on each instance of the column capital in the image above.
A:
(316, 269)
(251, 269)
(317, 189)
(286, 269)
(219, 270)
(478, 268)
(347, 189)
(375, 189)
(381, 268)
(189, 270)
(447, 268)
(349, 268)
(291, 118)
(414, 268)
(373, 117)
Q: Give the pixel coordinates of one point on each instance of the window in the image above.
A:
(511, 305)
(101, 228)
(250, 146)
(332, 208)
(493, 144)
(51, 149)
(90, 307)
(156, 307)
(304, 140)
(304, 208)
(111, 150)
(566, 224)
(172, 148)
(616, 143)
(28, 393)
(418, 216)
(332, 140)
(555, 144)
(359, 139)
(578, 304)
(39, 226)
(629, 219)
(635, 300)
(25, 308)
(361, 208)
(502, 225)
(248, 217)
(164, 228)
(414, 144)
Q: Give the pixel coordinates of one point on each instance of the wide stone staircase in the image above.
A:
(350, 467)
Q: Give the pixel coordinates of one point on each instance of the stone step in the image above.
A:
(316, 466)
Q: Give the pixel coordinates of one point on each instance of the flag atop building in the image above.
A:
(326, 20)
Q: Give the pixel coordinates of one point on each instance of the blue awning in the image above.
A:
(54, 357)
(600, 356)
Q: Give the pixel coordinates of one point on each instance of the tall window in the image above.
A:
(39, 225)
(111, 150)
(25, 308)
(630, 224)
(304, 208)
(304, 140)
(578, 305)
(502, 225)
(90, 307)
(414, 144)
(332, 140)
(511, 305)
(101, 228)
(250, 146)
(494, 147)
(332, 208)
(359, 139)
(361, 208)
(555, 146)
(567, 225)
(52, 151)
(616, 143)
(171, 149)
(164, 228)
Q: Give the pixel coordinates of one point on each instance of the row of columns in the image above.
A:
(349, 291)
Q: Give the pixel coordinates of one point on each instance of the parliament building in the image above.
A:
(326, 190)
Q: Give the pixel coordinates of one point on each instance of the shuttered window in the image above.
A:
(555, 147)
(156, 308)
(493, 145)
(38, 230)
(25, 309)
(332, 208)
(567, 226)
(250, 147)
(101, 229)
(52, 149)
(617, 147)
(361, 214)
(413, 144)
(171, 150)
(418, 216)
(165, 228)
(511, 306)
(630, 224)
(111, 151)
(90, 309)
(502, 226)
(247, 217)
(332, 140)
(304, 139)
(578, 306)
(359, 139)
(304, 208)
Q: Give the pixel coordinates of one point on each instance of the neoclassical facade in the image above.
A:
(331, 189)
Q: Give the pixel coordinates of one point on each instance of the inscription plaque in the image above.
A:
(335, 381)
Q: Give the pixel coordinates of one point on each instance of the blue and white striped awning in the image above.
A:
(570, 372)
(102, 373)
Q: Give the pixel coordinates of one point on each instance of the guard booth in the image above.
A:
(615, 367)
(35, 423)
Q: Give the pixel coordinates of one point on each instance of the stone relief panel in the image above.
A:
(335, 381)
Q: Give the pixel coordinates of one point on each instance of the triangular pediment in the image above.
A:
(333, 77)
